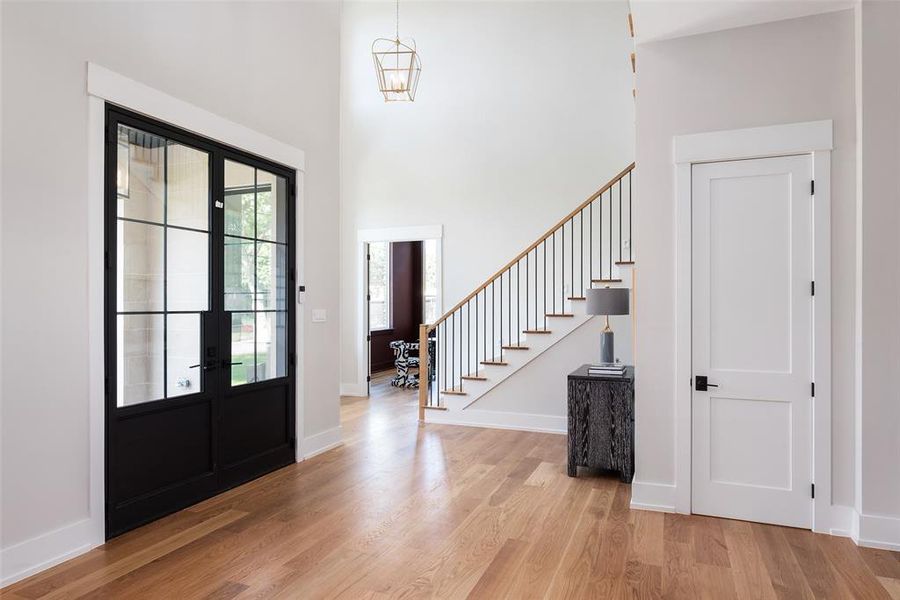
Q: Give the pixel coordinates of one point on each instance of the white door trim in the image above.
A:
(104, 86)
(814, 138)
(417, 233)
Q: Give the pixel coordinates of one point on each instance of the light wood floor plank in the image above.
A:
(406, 510)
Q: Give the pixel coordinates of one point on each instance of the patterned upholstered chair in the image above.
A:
(403, 362)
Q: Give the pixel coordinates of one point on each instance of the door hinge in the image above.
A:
(368, 297)
(812, 389)
(368, 338)
(368, 257)
(368, 378)
(106, 259)
(812, 187)
(293, 273)
(812, 490)
(293, 359)
(812, 288)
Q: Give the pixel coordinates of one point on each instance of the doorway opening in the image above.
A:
(401, 291)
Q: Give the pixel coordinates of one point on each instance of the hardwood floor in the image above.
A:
(405, 511)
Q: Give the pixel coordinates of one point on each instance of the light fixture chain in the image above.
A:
(397, 22)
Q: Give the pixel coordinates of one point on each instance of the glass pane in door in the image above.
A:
(256, 272)
(162, 265)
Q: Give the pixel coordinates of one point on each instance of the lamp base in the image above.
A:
(607, 355)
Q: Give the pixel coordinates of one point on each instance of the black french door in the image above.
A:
(199, 318)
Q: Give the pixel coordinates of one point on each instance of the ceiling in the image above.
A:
(656, 20)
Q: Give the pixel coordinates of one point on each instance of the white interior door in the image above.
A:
(752, 338)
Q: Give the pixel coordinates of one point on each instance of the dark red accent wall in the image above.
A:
(406, 303)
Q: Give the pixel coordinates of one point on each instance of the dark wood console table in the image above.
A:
(601, 422)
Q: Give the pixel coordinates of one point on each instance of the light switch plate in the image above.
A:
(319, 315)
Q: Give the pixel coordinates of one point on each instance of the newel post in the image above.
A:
(424, 357)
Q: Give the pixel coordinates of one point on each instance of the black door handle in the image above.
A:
(702, 383)
(209, 366)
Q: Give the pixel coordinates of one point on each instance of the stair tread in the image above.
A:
(474, 377)
(454, 392)
(496, 363)
(537, 331)
(560, 315)
(437, 407)
(515, 347)
(606, 280)
(577, 298)
(624, 262)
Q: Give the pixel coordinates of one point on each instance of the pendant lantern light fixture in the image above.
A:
(397, 65)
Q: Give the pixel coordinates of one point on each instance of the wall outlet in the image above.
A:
(319, 315)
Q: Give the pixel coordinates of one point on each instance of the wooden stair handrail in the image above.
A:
(522, 254)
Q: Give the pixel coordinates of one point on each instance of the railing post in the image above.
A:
(424, 382)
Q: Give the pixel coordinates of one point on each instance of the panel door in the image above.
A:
(752, 339)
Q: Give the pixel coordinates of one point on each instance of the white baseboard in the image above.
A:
(321, 442)
(354, 389)
(659, 497)
(498, 420)
(878, 531)
(44, 551)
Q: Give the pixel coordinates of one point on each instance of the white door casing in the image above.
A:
(752, 336)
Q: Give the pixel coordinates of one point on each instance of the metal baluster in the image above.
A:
(620, 220)
(535, 286)
(518, 304)
(610, 234)
(591, 244)
(581, 246)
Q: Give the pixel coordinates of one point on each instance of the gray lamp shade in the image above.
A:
(607, 301)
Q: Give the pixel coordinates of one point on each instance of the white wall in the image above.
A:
(783, 72)
(523, 110)
(273, 67)
(878, 401)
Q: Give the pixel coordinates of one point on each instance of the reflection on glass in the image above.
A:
(140, 175)
(239, 278)
(240, 205)
(187, 187)
(183, 373)
(271, 345)
(243, 335)
(139, 360)
(187, 269)
(140, 267)
(271, 279)
(271, 207)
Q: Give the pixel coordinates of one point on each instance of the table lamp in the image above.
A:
(607, 301)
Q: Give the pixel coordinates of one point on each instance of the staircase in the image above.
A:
(530, 304)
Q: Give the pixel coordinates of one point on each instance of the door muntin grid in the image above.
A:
(162, 237)
(255, 272)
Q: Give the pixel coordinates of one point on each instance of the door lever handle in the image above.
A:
(207, 367)
(702, 383)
